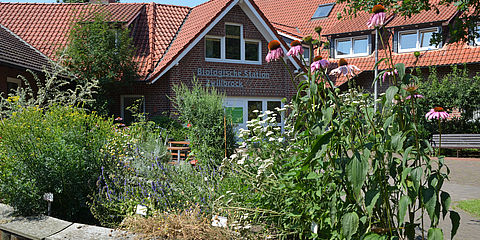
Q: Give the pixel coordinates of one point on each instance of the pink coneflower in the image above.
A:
(344, 68)
(296, 48)
(414, 96)
(437, 113)
(378, 17)
(118, 119)
(389, 73)
(275, 51)
(319, 63)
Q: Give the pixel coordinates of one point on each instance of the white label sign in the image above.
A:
(141, 210)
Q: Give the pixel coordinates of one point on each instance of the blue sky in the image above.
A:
(190, 3)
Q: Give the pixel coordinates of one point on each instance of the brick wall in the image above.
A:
(278, 85)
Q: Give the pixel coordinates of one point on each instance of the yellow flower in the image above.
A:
(13, 99)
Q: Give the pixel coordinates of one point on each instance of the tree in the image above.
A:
(460, 30)
(102, 51)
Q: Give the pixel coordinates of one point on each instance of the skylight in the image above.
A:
(323, 10)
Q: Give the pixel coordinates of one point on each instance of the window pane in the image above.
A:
(271, 105)
(477, 29)
(11, 86)
(323, 10)
(343, 47)
(408, 40)
(251, 51)
(360, 46)
(425, 38)
(212, 48)
(232, 31)
(306, 53)
(233, 48)
(254, 105)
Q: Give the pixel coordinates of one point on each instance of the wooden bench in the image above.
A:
(179, 150)
(456, 141)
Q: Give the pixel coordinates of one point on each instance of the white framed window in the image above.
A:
(352, 47)
(416, 40)
(129, 104)
(242, 109)
(233, 47)
(477, 40)
(13, 84)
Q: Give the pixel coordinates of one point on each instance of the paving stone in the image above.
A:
(81, 231)
(5, 211)
(34, 227)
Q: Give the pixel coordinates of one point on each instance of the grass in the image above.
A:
(470, 206)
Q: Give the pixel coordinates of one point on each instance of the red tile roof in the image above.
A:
(15, 51)
(46, 26)
(445, 13)
(197, 20)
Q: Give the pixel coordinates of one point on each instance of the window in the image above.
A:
(352, 46)
(13, 84)
(233, 48)
(213, 47)
(323, 10)
(416, 40)
(131, 105)
(477, 40)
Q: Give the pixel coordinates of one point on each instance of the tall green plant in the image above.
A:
(210, 130)
(101, 50)
(342, 170)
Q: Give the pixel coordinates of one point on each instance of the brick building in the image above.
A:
(224, 43)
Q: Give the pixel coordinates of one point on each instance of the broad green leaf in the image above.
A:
(401, 70)
(387, 123)
(357, 171)
(405, 173)
(397, 141)
(349, 224)
(416, 177)
(371, 198)
(312, 175)
(391, 91)
(435, 234)
(372, 236)
(446, 200)
(402, 208)
(321, 140)
(430, 200)
(455, 218)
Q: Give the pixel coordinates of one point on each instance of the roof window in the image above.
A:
(323, 10)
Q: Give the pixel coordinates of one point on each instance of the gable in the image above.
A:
(205, 17)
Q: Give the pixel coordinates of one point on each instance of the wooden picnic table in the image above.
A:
(179, 151)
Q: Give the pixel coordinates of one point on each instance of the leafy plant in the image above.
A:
(210, 132)
(100, 50)
(55, 150)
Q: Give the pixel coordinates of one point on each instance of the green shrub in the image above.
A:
(175, 130)
(455, 90)
(56, 150)
(203, 109)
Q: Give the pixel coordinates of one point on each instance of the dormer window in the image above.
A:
(323, 11)
(233, 47)
(351, 47)
(416, 40)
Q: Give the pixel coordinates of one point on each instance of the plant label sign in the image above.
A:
(48, 197)
(219, 221)
(141, 210)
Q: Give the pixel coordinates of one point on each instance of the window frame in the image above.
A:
(15, 81)
(122, 102)
(223, 49)
(418, 43)
(477, 40)
(323, 5)
(351, 40)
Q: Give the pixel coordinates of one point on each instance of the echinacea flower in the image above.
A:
(344, 68)
(411, 88)
(437, 113)
(389, 73)
(296, 48)
(118, 119)
(275, 51)
(319, 63)
(414, 96)
(378, 17)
